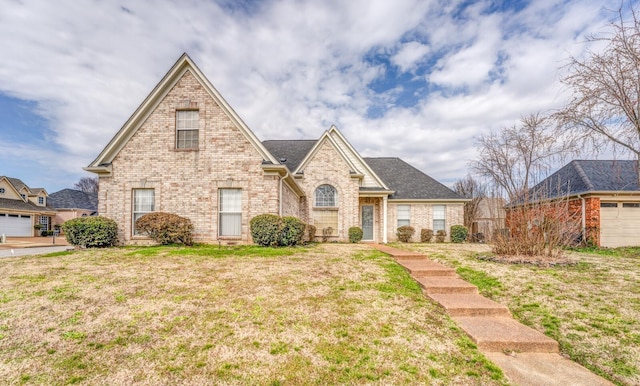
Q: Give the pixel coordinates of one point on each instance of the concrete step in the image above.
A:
(470, 305)
(446, 285)
(534, 369)
(423, 268)
(505, 334)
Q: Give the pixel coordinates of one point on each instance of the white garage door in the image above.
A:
(619, 224)
(15, 225)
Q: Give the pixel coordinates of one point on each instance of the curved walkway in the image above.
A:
(526, 356)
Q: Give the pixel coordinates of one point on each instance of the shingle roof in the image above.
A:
(584, 176)
(73, 199)
(9, 204)
(409, 182)
(292, 151)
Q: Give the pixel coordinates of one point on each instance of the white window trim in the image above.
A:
(403, 218)
(235, 211)
(135, 212)
(443, 218)
(189, 129)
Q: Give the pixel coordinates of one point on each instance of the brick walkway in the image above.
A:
(526, 356)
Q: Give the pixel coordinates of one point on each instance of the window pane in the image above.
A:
(143, 203)
(230, 218)
(230, 200)
(143, 200)
(324, 219)
(326, 196)
(230, 224)
(404, 215)
(187, 129)
(439, 217)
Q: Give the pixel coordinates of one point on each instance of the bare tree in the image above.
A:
(470, 188)
(516, 157)
(605, 105)
(87, 184)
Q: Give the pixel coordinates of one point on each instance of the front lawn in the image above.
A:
(592, 307)
(329, 314)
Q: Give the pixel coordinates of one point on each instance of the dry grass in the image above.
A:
(330, 314)
(592, 307)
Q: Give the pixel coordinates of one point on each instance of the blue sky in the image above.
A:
(415, 79)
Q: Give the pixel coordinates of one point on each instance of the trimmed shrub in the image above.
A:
(459, 233)
(311, 233)
(440, 236)
(265, 229)
(90, 232)
(326, 233)
(355, 234)
(405, 233)
(166, 228)
(426, 235)
(292, 231)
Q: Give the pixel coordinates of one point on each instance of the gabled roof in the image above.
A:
(349, 155)
(73, 199)
(408, 182)
(102, 163)
(19, 186)
(589, 176)
(7, 203)
(290, 153)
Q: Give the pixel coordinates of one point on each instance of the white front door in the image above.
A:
(367, 222)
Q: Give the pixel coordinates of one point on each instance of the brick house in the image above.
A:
(600, 200)
(186, 151)
(23, 208)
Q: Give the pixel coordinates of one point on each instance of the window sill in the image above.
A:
(233, 238)
(187, 150)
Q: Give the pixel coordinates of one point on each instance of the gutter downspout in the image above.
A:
(384, 219)
(280, 199)
(583, 215)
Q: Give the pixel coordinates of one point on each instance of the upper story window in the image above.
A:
(187, 129)
(1, 190)
(40, 200)
(24, 196)
(326, 195)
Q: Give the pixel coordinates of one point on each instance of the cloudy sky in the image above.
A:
(415, 79)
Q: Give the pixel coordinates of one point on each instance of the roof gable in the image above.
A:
(348, 154)
(101, 164)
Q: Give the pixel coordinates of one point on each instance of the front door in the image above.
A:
(367, 222)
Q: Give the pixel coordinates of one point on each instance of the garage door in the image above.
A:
(15, 225)
(619, 224)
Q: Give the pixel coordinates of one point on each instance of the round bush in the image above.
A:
(311, 233)
(265, 229)
(405, 233)
(355, 234)
(90, 232)
(166, 228)
(426, 235)
(459, 233)
(292, 231)
(440, 236)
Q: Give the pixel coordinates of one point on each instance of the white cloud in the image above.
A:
(409, 54)
(292, 68)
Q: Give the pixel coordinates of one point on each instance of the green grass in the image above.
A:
(323, 314)
(591, 307)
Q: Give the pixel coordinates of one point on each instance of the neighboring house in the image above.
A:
(602, 199)
(186, 151)
(21, 208)
(490, 217)
(71, 203)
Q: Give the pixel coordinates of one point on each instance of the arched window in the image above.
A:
(326, 195)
